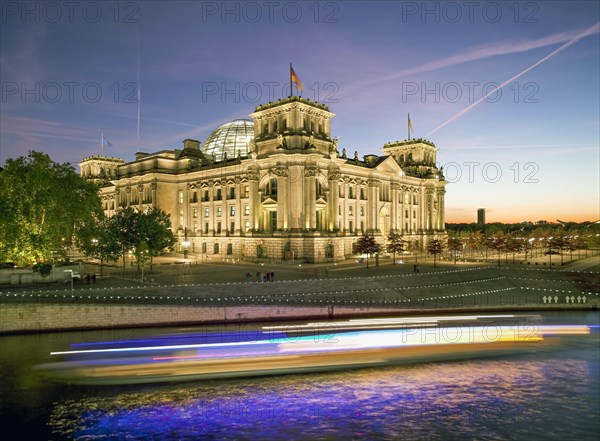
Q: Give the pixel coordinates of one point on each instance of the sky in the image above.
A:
(508, 91)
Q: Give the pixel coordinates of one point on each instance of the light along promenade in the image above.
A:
(340, 291)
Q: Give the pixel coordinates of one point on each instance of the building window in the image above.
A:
(272, 221)
(231, 227)
(180, 217)
(180, 197)
(229, 249)
(406, 214)
(247, 210)
(218, 227)
(350, 193)
(218, 196)
(205, 229)
(247, 191)
(362, 227)
(271, 189)
(351, 225)
(205, 198)
(363, 194)
(219, 211)
(216, 248)
(340, 210)
(232, 193)
(203, 247)
(247, 226)
(195, 227)
(195, 196)
(206, 212)
(195, 213)
(362, 210)
(318, 189)
(232, 210)
(350, 210)
(415, 200)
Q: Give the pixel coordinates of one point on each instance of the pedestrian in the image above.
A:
(415, 268)
(94, 277)
(258, 278)
(272, 276)
(87, 279)
(268, 276)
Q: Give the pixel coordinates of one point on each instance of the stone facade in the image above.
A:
(292, 194)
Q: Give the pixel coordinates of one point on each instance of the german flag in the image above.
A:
(294, 78)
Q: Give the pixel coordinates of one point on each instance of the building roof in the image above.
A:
(232, 138)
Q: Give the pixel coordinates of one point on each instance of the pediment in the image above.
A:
(389, 165)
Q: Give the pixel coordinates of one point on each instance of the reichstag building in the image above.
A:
(278, 186)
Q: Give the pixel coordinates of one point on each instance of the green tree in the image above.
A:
(435, 247)
(145, 233)
(395, 244)
(155, 232)
(41, 204)
(125, 230)
(366, 245)
(498, 244)
(455, 245)
(97, 239)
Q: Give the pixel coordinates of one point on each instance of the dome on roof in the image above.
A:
(231, 138)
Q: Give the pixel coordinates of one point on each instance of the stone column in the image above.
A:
(372, 204)
(310, 173)
(333, 199)
(281, 172)
(255, 199)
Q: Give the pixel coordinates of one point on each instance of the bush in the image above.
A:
(43, 268)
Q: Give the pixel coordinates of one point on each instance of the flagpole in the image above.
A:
(102, 143)
(408, 125)
(291, 80)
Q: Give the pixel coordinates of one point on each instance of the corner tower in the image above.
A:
(295, 124)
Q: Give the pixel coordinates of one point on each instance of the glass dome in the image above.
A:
(231, 138)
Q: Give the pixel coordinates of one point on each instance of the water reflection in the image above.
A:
(484, 399)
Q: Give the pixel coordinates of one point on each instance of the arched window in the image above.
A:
(229, 249)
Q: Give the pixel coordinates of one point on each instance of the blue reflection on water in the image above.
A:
(518, 398)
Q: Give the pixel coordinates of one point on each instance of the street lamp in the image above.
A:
(70, 271)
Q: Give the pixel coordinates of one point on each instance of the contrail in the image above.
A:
(592, 30)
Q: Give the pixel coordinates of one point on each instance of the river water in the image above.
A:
(550, 392)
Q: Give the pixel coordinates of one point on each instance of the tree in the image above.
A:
(435, 247)
(155, 232)
(146, 234)
(97, 239)
(499, 244)
(395, 244)
(552, 247)
(455, 245)
(474, 241)
(515, 245)
(41, 204)
(366, 245)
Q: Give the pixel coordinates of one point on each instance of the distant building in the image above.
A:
(481, 216)
(278, 187)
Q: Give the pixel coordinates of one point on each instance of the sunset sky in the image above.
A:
(528, 151)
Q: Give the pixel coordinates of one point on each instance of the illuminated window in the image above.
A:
(195, 213)
(206, 212)
(232, 210)
(247, 210)
(181, 197)
(219, 211)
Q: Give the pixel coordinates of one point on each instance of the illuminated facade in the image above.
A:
(284, 191)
